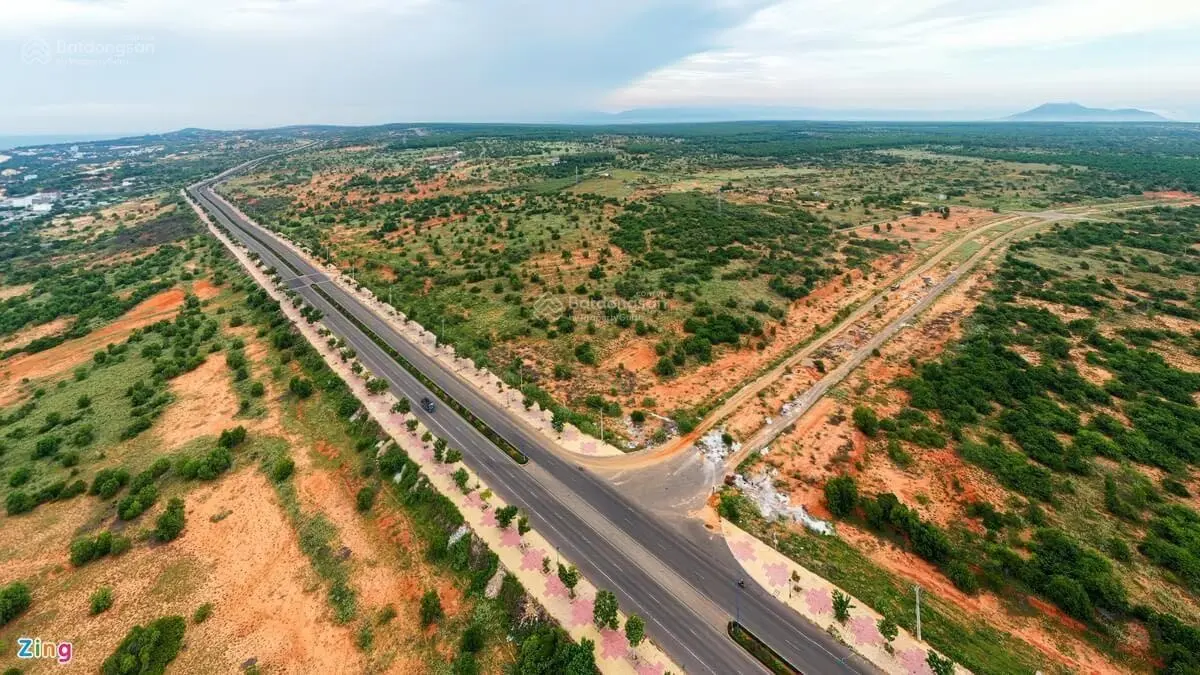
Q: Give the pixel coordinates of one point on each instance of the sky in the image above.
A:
(95, 66)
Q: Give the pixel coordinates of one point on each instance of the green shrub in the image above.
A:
(146, 650)
(866, 420)
(20, 476)
(282, 469)
(300, 387)
(472, 640)
(101, 600)
(841, 495)
(18, 502)
(202, 613)
(108, 482)
(171, 521)
(365, 498)
(15, 598)
(231, 438)
(431, 608)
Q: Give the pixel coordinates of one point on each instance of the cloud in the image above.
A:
(241, 63)
(236, 63)
(932, 53)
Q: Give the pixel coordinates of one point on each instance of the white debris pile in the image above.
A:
(713, 447)
(760, 489)
(458, 534)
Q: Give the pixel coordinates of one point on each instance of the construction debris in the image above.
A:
(712, 446)
(760, 489)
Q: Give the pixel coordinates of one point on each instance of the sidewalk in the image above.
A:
(571, 439)
(522, 555)
(812, 597)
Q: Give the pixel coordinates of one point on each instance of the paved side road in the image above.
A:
(684, 586)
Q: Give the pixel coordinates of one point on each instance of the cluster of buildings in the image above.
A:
(41, 202)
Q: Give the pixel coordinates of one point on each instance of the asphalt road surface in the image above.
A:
(685, 586)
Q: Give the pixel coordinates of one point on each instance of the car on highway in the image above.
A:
(428, 404)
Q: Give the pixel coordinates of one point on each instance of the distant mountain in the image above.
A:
(675, 115)
(1073, 112)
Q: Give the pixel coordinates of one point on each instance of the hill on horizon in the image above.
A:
(1074, 112)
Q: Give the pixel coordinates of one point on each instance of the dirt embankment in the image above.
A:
(824, 443)
(72, 353)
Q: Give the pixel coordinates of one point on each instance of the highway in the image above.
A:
(685, 586)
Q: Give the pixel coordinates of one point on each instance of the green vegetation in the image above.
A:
(170, 523)
(147, 650)
(769, 658)
(101, 600)
(604, 612)
(15, 598)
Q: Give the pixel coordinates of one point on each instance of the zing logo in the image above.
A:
(36, 648)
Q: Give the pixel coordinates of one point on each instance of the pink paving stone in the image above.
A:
(819, 601)
(865, 631)
(913, 661)
(613, 645)
(570, 434)
(777, 573)
(555, 587)
(742, 550)
(475, 500)
(588, 447)
(489, 518)
(510, 538)
(651, 669)
(532, 559)
(581, 611)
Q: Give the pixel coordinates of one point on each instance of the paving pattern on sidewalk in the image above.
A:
(812, 597)
(520, 554)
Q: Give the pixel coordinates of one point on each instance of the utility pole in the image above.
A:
(601, 426)
(577, 175)
(719, 193)
(917, 589)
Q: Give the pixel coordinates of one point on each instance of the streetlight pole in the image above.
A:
(917, 589)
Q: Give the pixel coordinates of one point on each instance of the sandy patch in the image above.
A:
(27, 335)
(637, 357)
(7, 292)
(248, 565)
(73, 352)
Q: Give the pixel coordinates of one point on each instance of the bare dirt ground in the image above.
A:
(824, 442)
(205, 405)
(248, 565)
(929, 225)
(27, 335)
(129, 213)
(73, 352)
(240, 553)
(939, 484)
(7, 292)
